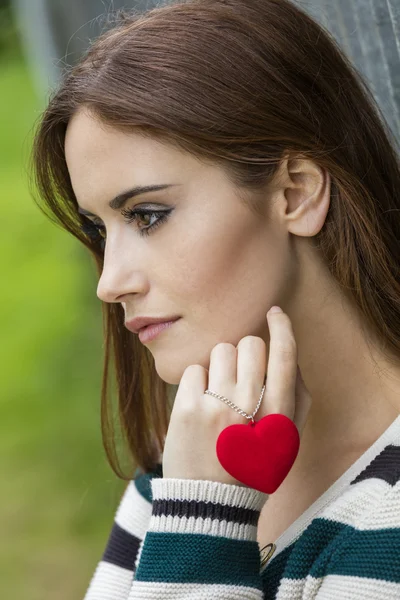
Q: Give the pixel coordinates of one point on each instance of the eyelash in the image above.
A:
(93, 230)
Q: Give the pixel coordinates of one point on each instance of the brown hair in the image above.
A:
(242, 83)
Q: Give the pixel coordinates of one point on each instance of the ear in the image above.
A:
(305, 192)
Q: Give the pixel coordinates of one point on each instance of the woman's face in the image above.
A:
(213, 262)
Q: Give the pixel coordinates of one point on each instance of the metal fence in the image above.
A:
(56, 32)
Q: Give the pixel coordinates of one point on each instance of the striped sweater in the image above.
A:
(194, 540)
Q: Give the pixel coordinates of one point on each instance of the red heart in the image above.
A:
(260, 454)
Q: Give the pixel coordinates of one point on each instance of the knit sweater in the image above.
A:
(184, 539)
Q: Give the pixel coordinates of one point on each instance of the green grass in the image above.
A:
(59, 494)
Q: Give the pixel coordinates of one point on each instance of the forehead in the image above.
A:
(102, 160)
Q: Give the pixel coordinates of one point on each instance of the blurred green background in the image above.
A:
(59, 494)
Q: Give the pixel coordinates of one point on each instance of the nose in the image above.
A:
(119, 278)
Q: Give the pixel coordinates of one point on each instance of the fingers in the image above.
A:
(251, 369)
(191, 387)
(282, 366)
(222, 369)
(239, 374)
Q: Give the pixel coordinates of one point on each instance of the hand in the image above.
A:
(237, 373)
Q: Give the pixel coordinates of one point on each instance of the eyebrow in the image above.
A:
(120, 200)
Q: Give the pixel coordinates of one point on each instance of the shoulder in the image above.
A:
(371, 500)
(364, 523)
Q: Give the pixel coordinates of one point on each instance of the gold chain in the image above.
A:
(269, 553)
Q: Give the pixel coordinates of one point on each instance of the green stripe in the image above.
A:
(331, 548)
(143, 482)
(199, 558)
(315, 541)
(272, 574)
(374, 554)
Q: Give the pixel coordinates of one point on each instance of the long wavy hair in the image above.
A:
(242, 83)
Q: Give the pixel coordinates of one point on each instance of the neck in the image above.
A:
(354, 387)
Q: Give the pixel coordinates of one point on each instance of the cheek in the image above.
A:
(223, 288)
(228, 282)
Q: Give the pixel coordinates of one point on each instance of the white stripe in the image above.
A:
(143, 590)
(387, 513)
(359, 498)
(109, 582)
(139, 553)
(335, 587)
(372, 504)
(134, 512)
(202, 490)
(207, 526)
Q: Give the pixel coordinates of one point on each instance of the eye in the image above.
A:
(96, 231)
(137, 213)
(93, 232)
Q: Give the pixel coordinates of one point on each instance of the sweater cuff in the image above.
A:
(216, 508)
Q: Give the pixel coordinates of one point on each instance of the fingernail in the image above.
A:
(275, 309)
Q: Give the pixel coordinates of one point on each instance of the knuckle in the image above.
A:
(194, 371)
(251, 340)
(287, 349)
(223, 347)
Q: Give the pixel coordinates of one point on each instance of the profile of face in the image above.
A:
(206, 257)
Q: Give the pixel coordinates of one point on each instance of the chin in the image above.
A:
(170, 366)
(169, 373)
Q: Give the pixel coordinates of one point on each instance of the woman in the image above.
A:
(248, 166)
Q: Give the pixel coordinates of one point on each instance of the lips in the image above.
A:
(140, 323)
(149, 333)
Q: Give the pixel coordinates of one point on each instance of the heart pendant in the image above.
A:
(259, 454)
